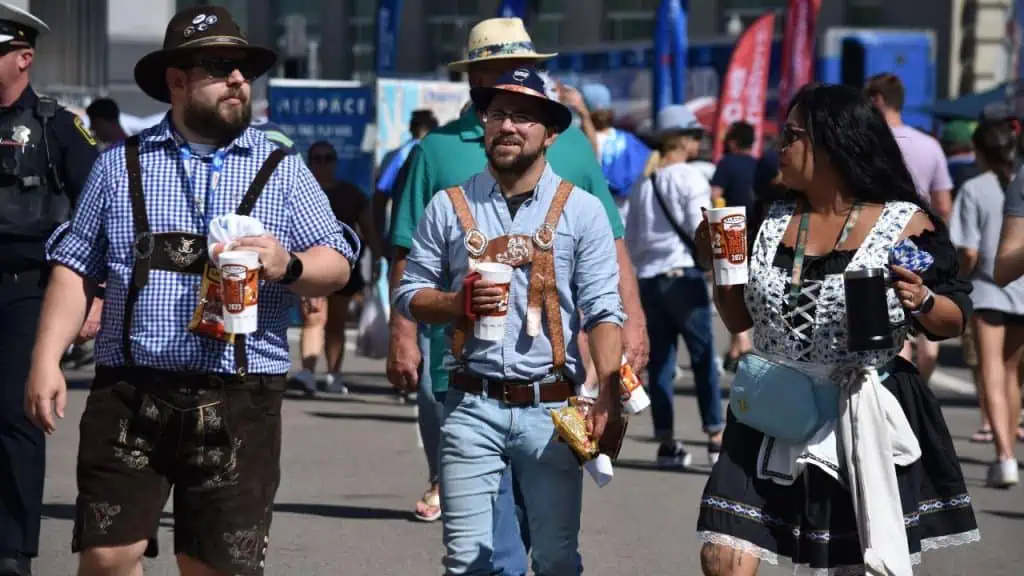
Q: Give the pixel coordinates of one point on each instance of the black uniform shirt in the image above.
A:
(73, 151)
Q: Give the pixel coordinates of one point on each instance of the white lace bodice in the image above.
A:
(814, 331)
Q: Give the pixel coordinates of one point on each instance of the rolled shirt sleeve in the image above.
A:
(597, 270)
(81, 244)
(311, 221)
(427, 263)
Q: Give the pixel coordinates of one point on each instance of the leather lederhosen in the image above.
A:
(517, 251)
(181, 252)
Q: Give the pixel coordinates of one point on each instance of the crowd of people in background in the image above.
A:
(839, 145)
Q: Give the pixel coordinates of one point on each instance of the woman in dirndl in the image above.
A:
(879, 483)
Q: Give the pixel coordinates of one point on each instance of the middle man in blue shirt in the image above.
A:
(565, 278)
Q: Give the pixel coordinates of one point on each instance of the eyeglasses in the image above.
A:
(322, 158)
(790, 134)
(220, 68)
(518, 118)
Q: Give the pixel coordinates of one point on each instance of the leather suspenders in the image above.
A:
(543, 292)
(146, 243)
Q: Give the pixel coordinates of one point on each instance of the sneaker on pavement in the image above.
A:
(674, 456)
(1003, 474)
(336, 385)
(305, 381)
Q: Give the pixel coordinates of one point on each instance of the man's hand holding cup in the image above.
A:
(484, 299)
(274, 258)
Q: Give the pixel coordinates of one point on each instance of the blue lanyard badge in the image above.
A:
(216, 168)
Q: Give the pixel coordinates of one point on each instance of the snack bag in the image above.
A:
(634, 397)
(208, 317)
(571, 425)
(909, 256)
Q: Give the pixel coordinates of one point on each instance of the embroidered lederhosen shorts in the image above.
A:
(216, 440)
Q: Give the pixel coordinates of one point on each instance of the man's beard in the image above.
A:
(208, 122)
(515, 165)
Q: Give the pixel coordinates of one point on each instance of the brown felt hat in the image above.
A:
(192, 31)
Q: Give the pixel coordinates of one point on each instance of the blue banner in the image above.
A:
(388, 12)
(338, 112)
(512, 9)
(668, 76)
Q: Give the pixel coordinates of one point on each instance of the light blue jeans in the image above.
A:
(480, 437)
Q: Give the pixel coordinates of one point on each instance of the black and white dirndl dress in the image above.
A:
(811, 521)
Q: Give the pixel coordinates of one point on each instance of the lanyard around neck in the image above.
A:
(796, 279)
(200, 199)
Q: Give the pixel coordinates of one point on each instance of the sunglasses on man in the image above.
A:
(220, 68)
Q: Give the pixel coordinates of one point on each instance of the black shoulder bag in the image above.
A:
(675, 225)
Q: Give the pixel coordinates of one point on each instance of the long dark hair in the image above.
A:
(845, 127)
(996, 143)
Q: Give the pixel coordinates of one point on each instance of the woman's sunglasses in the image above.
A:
(790, 134)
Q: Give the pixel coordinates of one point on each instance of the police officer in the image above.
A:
(46, 154)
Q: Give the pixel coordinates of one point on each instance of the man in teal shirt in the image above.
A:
(447, 157)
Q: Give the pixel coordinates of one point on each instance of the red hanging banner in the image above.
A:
(745, 88)
(797, 51)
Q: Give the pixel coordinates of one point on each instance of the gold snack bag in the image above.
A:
(208, 317)
(571, 426)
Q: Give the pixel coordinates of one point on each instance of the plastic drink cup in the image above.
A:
(728, 229)
(240, 290)
(491, 326)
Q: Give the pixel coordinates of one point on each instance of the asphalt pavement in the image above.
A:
(352, 469)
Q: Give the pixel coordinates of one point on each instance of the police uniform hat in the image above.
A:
(18, 27)
(189, 33)
(526, 82)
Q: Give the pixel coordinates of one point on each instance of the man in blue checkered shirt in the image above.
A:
(173, 405)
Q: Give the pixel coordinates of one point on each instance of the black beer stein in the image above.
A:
(867, 310)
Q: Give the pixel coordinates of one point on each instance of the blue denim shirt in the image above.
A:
(586, 270)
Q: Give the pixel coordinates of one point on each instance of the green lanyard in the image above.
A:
(801, 246)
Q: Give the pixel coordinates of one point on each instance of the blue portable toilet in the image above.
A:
(852, 55)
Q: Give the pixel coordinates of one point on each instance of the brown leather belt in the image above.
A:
(513, 392)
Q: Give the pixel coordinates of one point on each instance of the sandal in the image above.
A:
(428, 508)
(983, 436)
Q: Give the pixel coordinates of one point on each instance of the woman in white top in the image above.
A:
(665, 210)
(998, 320)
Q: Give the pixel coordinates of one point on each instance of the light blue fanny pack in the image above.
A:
(780, 400)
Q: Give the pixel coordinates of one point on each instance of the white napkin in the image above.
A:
(228, 228)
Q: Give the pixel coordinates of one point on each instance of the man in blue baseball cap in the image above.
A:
(557, 246)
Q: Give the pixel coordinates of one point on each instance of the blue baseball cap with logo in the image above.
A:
(525, 82)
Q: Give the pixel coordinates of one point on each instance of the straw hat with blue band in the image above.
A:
(527, 82)
(18, 28)
(499, 39)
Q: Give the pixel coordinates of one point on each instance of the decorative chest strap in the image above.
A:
(543, 282)
(516, 251)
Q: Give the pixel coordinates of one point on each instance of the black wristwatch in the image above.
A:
(926, 305)
(293, 271)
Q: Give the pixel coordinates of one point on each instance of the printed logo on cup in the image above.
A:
(728, 230)
(729, 238)
(240, 288)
